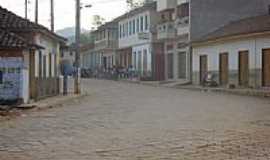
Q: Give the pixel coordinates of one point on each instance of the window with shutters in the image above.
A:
(141, 23)
(146, 23)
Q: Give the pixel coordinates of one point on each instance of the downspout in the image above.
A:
(190, 65)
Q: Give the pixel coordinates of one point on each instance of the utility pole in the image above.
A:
(36, 11)
(26, 8)
(77, 84)
(52, 15)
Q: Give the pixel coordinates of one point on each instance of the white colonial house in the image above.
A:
(136, 38)
(237, 54)
(106, 45)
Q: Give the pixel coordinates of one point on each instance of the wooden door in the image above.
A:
(223, 68)
(243, 68)
(129, 59)
(182, 65)
(266, 68)
(170, 66)
(140, 62)
(203, 67)
(145, 62)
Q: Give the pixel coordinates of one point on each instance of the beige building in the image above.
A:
(184, 21)
(236, 54)
(136, 39)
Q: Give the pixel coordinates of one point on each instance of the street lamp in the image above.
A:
(77, 83)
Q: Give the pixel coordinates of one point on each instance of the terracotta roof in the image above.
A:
(245, 26)
(10, 40)
(12, 22)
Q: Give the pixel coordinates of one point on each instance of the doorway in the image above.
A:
(266, 68)
(243, 68)
(170, 66)
(223, 68)
(182, 62)
(203, 68)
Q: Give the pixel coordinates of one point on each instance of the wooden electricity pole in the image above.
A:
(36, 11)
(52, 15)
(77, 84)
(26, 8)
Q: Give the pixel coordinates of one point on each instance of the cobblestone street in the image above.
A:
(122, 121)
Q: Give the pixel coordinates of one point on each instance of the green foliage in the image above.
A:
(98, 21)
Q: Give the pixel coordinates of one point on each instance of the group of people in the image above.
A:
(115, 72)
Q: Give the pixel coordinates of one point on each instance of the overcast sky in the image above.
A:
(65, 11)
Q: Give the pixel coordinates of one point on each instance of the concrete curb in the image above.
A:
(48, 103)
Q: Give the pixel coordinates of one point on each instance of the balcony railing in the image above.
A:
(106, 44)
(166, 30)
(182, 25)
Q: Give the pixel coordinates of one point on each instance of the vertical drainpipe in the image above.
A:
(190, 62)
(190, 47)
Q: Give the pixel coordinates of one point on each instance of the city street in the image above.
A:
(124, 121)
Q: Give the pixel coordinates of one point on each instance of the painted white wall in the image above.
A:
(165, 4)
(25, 77)
(51, 47)
(232, 47)
(25, 85)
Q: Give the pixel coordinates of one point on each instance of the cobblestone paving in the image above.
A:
(121, 121)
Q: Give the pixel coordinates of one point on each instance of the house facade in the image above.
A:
(136, 39)
(43, 62)
(14, 67)
(184, 21)
(106, 45)
(237, 54)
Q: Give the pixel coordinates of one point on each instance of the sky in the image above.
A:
(65, 11)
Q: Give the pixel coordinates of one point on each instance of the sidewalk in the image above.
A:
(51, 102)
(57, 101)
(236, 91)
(149, 83)
(175, 85)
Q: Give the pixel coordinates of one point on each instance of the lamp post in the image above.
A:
(77, 83)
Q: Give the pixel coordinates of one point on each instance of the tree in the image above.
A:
(98, 21)
(132, 4)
